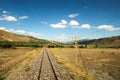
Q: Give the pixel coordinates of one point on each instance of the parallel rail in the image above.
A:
(44, 53)
(52, 66)
(40, 65)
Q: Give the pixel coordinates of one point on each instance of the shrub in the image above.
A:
(81, 47)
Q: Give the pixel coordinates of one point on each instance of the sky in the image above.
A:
(60, 20)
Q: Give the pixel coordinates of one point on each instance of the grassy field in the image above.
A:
(11, 59)
(101, 64)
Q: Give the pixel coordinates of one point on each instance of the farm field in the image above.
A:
(101, 64)
(12, 59)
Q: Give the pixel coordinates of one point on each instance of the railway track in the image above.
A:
(47, 70)
(43, 67)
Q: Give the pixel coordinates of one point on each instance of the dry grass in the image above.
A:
(12, 59)
(101, 63)
(7, 36)
(10, 54)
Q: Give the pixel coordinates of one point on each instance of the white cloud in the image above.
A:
(86, 26)
(23, 32)
(5, 12)
(8, 18)
(73, 15)
(3, 28)
(23, 17)
(64, 22)
(1, 19)
(20, 31)
(17, 31)
(74, 23)
(61, 24)
(33, 34)
(107, 27)
(44, 22)
(63, 36)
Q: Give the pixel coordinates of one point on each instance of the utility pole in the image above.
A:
(76, 54)
(76, 47)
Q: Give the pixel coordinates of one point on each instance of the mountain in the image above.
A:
(108, 41)
(113, 41)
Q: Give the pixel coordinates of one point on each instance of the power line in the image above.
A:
(76, 54)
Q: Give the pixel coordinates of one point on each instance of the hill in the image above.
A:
(108, 41)
(7, 39)
(113, 41)
(8, 36)
(102, 41)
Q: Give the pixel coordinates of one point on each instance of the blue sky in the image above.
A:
(59, 19)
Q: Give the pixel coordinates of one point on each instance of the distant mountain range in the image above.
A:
(108, 41)
(102, 41)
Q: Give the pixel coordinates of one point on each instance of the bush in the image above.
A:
(6, 45)
(72, 46)
(81, 47)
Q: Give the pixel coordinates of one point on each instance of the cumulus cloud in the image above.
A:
(61, 24)
(8, 18)
(74, 23)
(5, 12)
(64, 22)
(23, 17)
(87, 26)
(73, 15)
(107, 27)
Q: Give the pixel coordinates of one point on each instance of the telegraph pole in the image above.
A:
(76, 46)
(76, 54)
